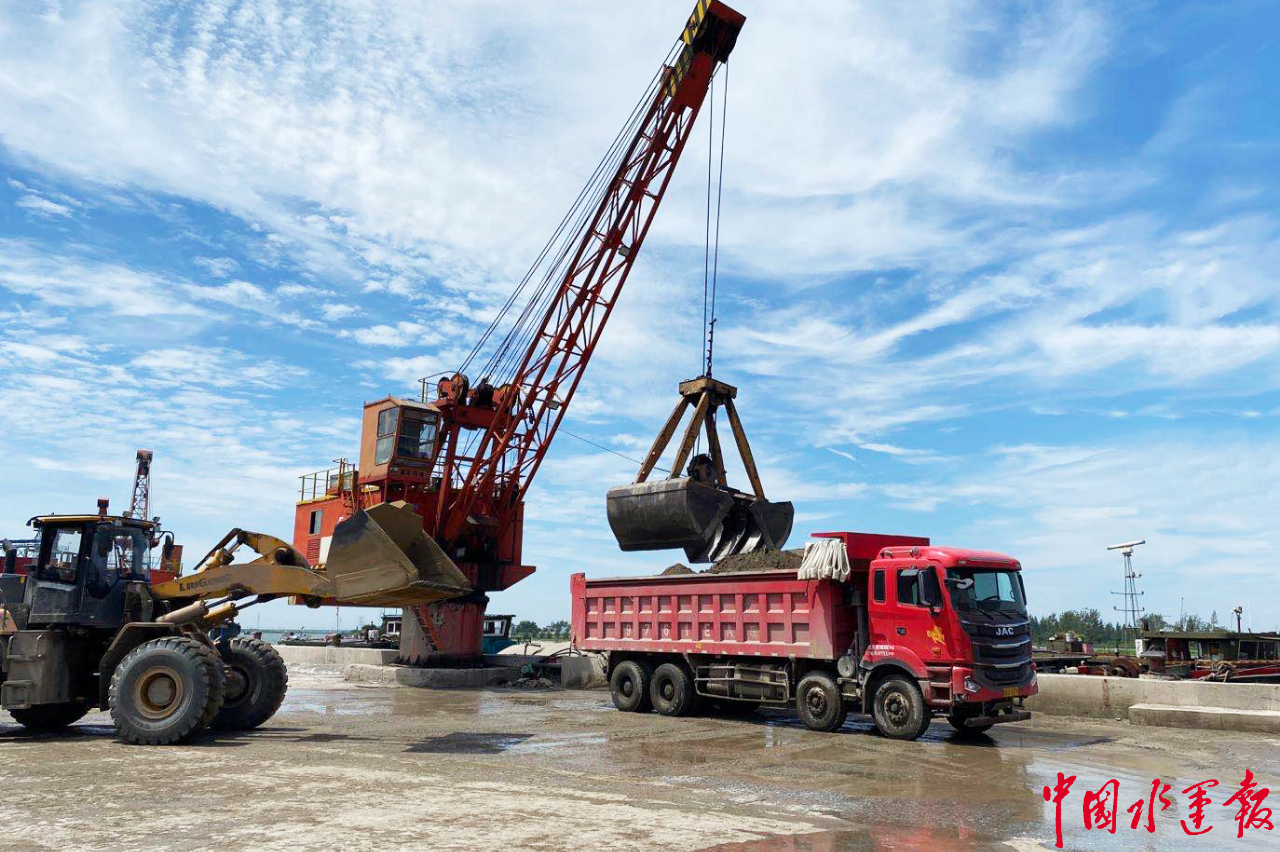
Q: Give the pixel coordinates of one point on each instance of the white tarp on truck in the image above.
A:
(825, 559)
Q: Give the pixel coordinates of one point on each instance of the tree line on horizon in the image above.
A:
(556, 631)
(1088, 625)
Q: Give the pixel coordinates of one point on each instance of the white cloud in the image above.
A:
(333, 311)
(40, 206)
(219, 267)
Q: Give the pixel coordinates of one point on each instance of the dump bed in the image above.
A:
(768, 614)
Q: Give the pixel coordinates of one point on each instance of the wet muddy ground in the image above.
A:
(369, 768)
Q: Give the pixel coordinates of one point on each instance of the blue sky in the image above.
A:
(1004, 275)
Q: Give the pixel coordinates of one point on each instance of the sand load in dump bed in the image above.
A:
(698, 512)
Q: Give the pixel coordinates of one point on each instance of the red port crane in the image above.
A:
(464, 458)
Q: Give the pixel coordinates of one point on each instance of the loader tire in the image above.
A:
(671, 691)
(629, 686)
(50, 717)
(256, 684)
(819, 703)
(166, 691)
(899, 709)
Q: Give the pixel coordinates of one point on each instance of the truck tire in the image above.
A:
(671, 691)
(256, 681)
(819, 704)
(50, 717)
(166, 691)
(899, 709)
(629, 685)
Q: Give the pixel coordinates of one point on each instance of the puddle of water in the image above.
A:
(567, 741)
(873, 839)
(465, 742)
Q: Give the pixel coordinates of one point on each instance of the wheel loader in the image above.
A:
(85, 628)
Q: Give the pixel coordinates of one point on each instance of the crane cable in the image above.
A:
(504, 362)
(561, 241)
(711, 251)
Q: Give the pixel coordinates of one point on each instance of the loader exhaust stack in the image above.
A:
(698, 511)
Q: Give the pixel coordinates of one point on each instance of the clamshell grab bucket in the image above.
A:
(382, 556)
(666, 514)
(707, 522)
(698, 511)
(751, 525)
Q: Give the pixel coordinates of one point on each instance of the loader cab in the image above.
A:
(85, 565)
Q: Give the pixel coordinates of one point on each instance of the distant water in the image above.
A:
(274, 636)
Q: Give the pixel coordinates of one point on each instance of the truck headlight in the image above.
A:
(971, 686)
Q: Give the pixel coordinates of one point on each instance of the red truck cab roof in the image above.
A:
(953, 557)
(869, 546)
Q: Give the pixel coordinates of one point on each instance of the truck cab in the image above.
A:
(957, 620)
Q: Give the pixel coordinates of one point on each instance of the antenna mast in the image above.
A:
(1132, 609)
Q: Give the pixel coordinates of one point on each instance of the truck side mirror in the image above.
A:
(930, 591)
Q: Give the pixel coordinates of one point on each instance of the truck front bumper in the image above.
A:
(968, 687)
(1011, 715)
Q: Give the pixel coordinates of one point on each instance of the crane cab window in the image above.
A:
(387, 418)
(877, 584)
(316, 522)
(407, 433)
(417, 434)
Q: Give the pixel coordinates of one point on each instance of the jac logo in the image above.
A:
(1004, 631)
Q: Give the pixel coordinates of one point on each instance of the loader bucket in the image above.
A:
(666, 513)
(383, 557)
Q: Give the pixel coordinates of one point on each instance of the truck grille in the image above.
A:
(1001, 650)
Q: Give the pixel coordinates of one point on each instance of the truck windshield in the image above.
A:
(990, 590)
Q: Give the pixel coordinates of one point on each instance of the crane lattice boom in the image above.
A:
(513, 446)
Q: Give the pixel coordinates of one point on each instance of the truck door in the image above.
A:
(880, 611)
(915, 625)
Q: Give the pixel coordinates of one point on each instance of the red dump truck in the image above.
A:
(914, 631)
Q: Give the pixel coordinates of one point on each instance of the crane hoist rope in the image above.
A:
(711, 250)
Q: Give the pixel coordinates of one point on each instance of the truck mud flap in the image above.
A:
(382, 556)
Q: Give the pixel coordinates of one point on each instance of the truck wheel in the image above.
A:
(256, 683)
(629, 686)
(671, 691)
(50, 717)
(899, 709)
(165, 691)
(819, 703)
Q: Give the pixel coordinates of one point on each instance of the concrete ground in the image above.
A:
(356, 768)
